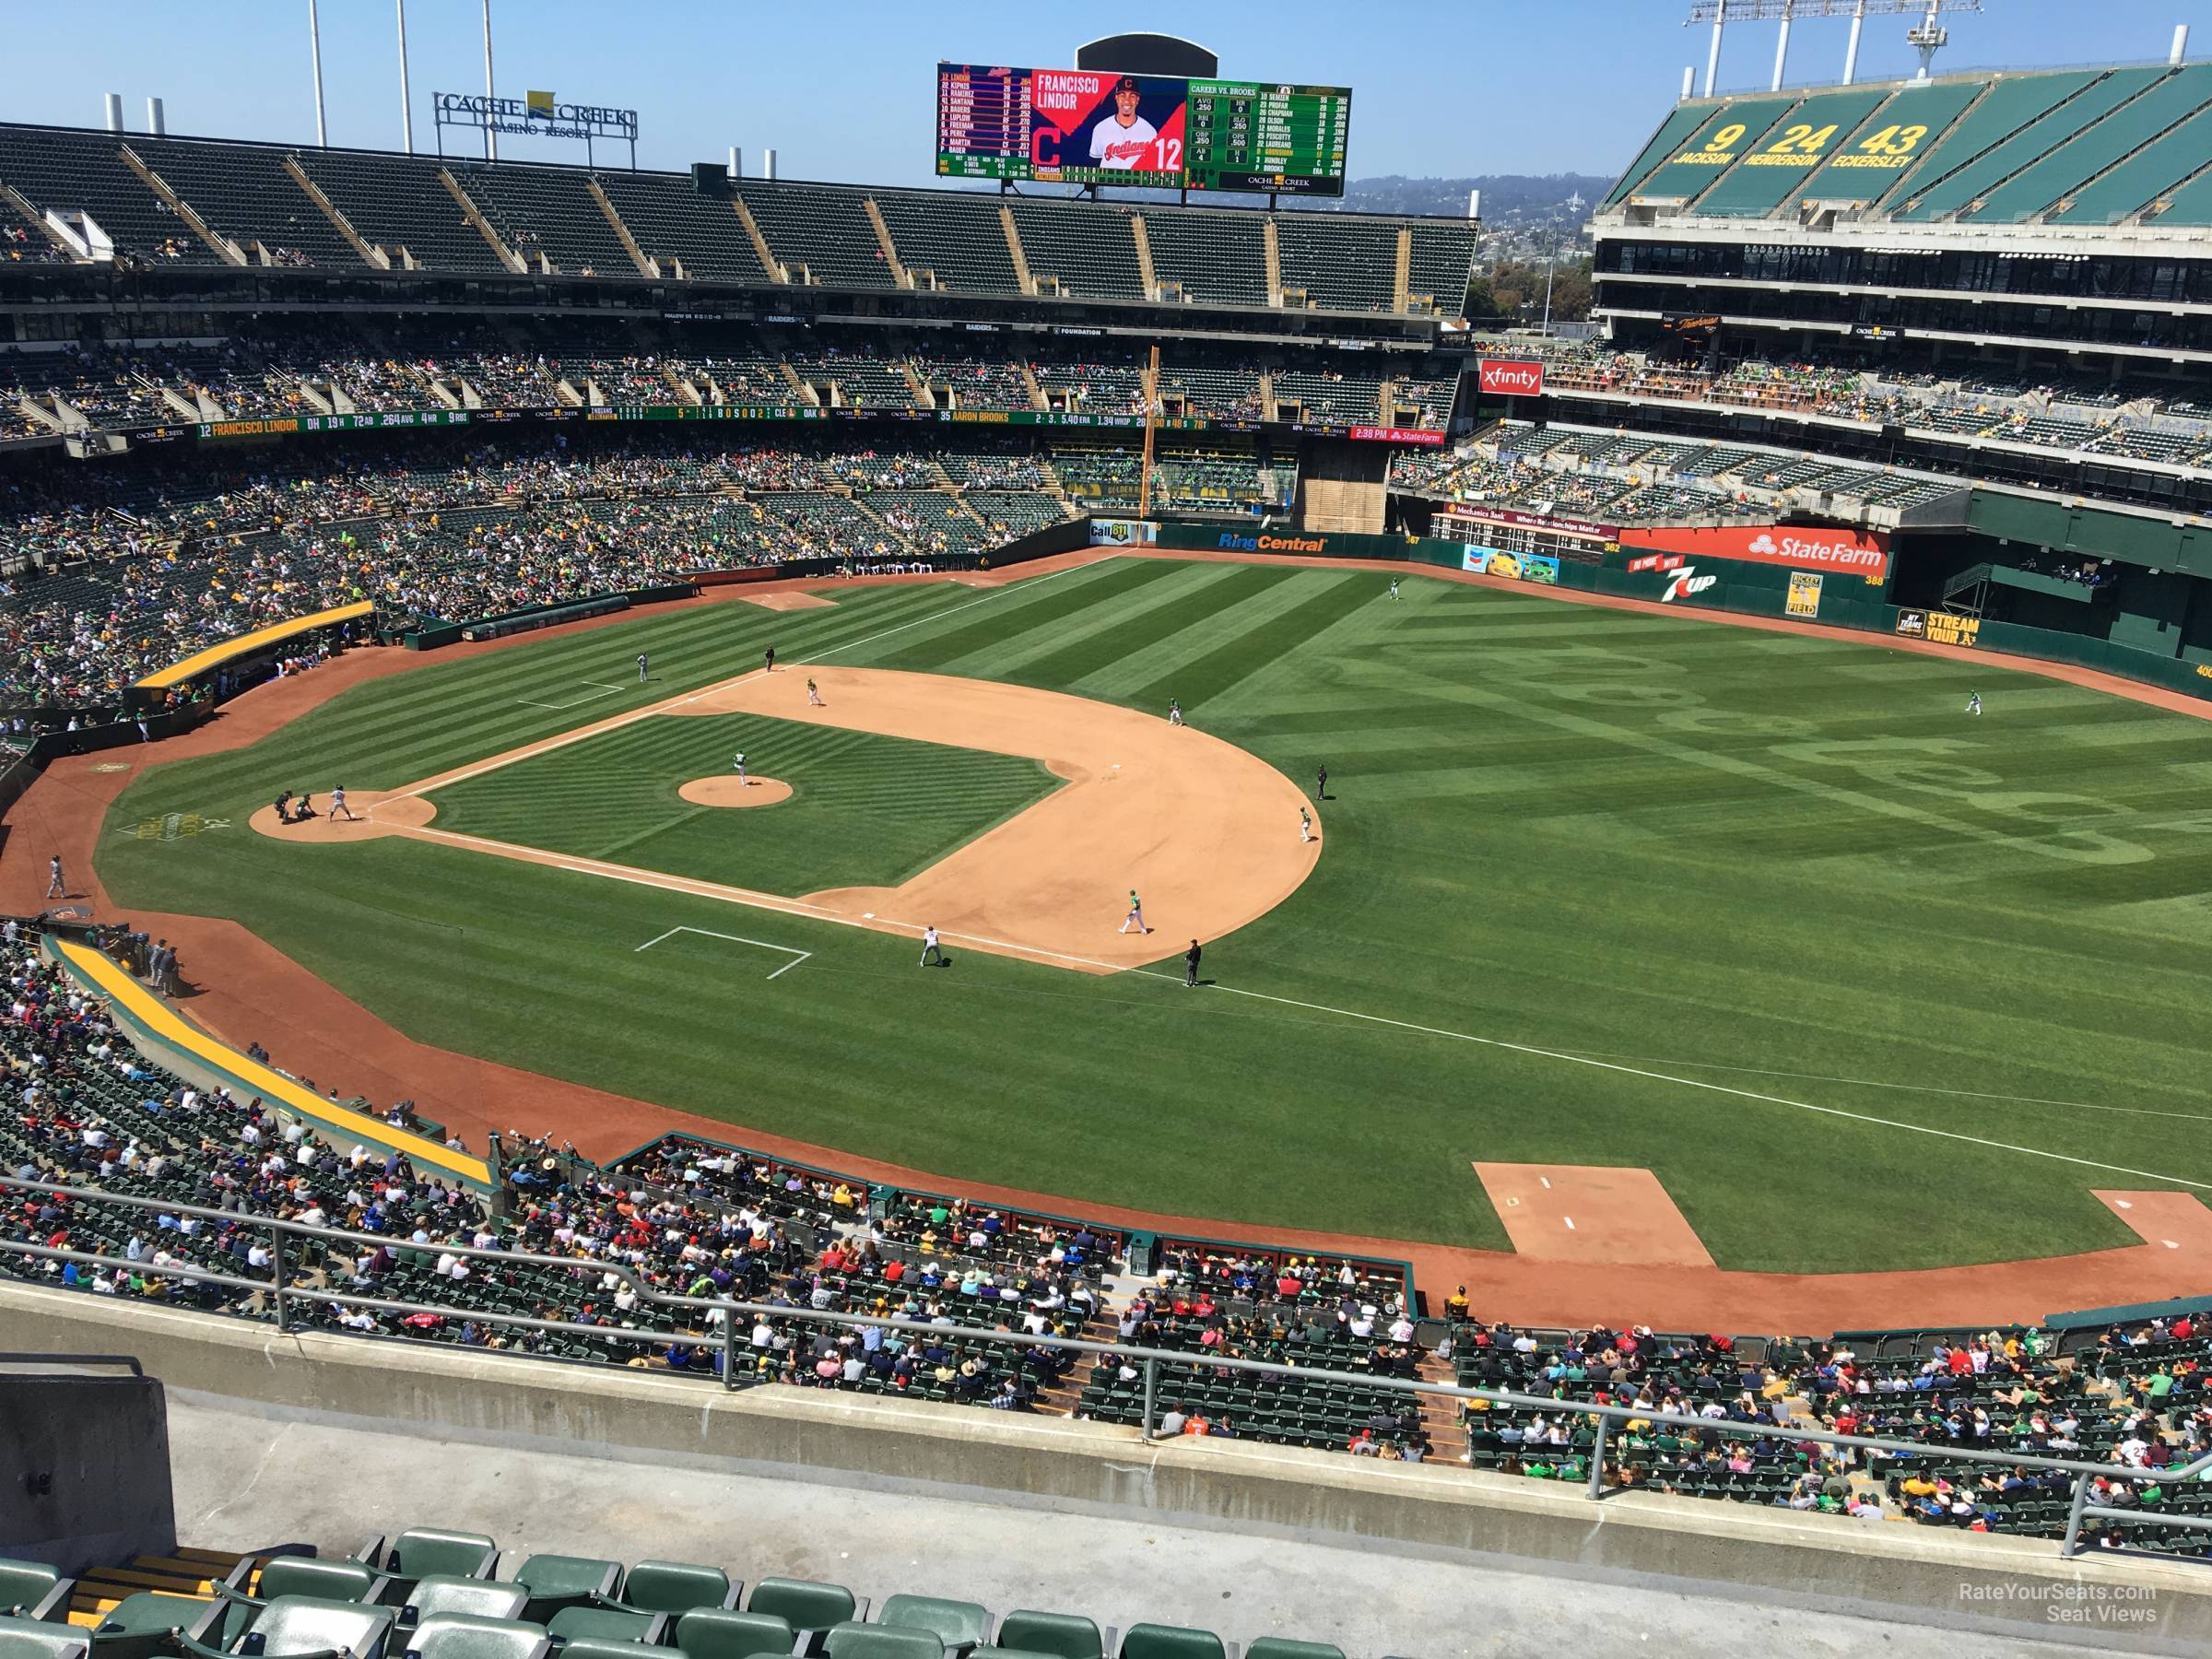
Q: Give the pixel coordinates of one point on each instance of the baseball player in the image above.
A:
(1973, 702)
(1136, 918)
(1305, 825)
(641, 665)
(1174, 711)
(930, 953)
(1190, 966)
(337, 805)
(739, 763)
(770, 660)
(1394, 587)
(54, 889)
(1120, 144)
(814, 698)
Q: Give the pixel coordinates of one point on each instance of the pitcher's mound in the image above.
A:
(722, 790)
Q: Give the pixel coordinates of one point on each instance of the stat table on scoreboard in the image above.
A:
(1244, 136)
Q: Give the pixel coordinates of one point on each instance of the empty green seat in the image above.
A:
(608, 1624)
(300, 1625)
(1283, 1647)
(305, 1575)
(676, 1587)
(720, 1633)
(428, 1551)
(1064, 1635)
(600, 1647)
(1171, 1641)
(473, 1597)
(27, 1589)
(561, 1581)
(459, 1636)
(35, 1639)
(806, 1604)
(881, 1641)
(148, 1622)
(958, 1625)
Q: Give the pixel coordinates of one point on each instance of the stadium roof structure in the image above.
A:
(2121, 151)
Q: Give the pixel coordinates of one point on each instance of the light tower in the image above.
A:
(1927, 35)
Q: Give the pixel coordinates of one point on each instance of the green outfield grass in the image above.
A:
(1584, 861)
(866, 810)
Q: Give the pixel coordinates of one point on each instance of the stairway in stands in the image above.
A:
(190, 1574)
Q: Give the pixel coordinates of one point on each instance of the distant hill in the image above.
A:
(1507, 198)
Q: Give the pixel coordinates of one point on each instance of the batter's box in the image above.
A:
(796, 955)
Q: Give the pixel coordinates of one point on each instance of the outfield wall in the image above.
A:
(832, 1439)
(1842, 600)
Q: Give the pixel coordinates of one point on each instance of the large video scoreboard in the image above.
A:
(1086, 127)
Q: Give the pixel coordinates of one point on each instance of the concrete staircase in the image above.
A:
(338, 221)
(1022, 259)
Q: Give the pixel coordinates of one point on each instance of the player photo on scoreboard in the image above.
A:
(1091, 127)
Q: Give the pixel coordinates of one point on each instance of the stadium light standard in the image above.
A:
(314, 58)
(406, 105)
(1928, 36)
(491, 140)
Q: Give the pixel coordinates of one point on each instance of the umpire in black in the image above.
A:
(1190, 966)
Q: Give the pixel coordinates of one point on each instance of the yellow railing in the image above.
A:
(215, 656)
(148, 1012)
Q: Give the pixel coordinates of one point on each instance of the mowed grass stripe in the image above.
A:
(1215, 671)
(1004, 659)
(1043, 607)
(1167, 608)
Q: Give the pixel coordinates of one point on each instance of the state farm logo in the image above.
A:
(1686, 581)
(1509, 379)
(1764, 543)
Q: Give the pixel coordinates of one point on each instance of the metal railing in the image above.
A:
(718, 1315)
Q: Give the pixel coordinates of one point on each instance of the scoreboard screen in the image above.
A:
(1085, 126)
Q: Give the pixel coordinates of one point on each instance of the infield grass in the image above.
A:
(1945, 954)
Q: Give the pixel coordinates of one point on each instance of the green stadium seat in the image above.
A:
(675, 1587)
(1171, 1641)
(459, 1636)
(609, 1624)
(475, 1598)
(809, 1605)
(1064, 1635)
(1283, 1647)
(422, 1551)
(293, 1626)
(304, 1576)
(958, 1625)
(31, 1590)
(150, 1621)
(881, 1641)
(720, 1633)
(561, 1581)
(36, 1638)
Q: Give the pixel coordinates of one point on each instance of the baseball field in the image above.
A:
(1865, 981)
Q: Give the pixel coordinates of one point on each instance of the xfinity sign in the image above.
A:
(1500, 377)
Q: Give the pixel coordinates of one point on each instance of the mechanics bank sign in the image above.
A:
(1800, 547)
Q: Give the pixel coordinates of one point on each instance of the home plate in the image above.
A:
(1590, 1213)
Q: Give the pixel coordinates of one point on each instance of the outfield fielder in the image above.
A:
(1394, 587)
(1136, 918)
(641, 668)
(1973, 702)
(740, 765)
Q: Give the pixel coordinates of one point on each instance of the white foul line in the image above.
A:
(1741, 1094)
(793, 951)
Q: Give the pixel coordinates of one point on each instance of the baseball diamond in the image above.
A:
(1563, 907)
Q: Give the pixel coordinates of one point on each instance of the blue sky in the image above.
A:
(845, 91)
